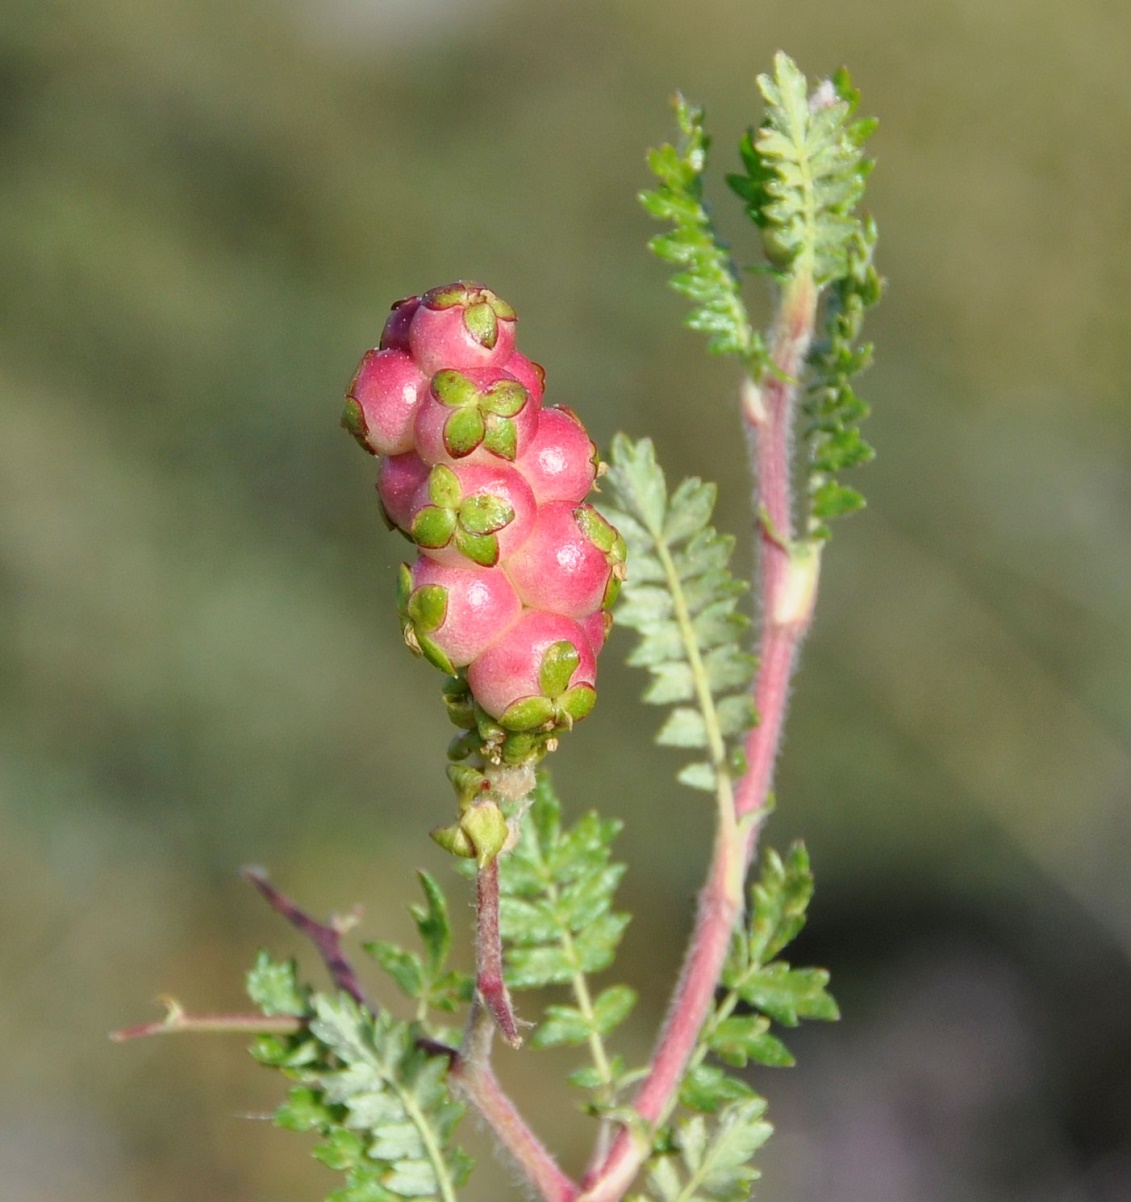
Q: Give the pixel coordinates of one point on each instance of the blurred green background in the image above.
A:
(205, 211)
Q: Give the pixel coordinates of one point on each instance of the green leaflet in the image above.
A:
(682, 600)
(273, 986)
(426, 979)
(832, 409)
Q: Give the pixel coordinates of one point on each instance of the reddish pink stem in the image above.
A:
(471, 1074)
(489, 954)
(768, 412)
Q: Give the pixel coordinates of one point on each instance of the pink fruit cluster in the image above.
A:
(515, 573)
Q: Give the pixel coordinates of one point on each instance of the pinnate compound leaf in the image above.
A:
(392, 1117)
(425, 979)
(685, 610)
(711, 1161)
(556, 915)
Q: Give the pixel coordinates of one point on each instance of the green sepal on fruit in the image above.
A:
(353, 420)
(467, 782)
(482, 415)
(422, 611)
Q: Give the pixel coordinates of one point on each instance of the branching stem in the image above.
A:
(326, 937)
(471, 1074)
(786, 588)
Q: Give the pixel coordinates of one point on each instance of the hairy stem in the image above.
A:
(471, 1075)
(786, 588)
(489, 981)
(177, 1019)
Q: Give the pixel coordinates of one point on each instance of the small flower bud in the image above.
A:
(469, 513)
(478, 416)
(531, 375)
(560, 461)
(395, 334)
(399, 479)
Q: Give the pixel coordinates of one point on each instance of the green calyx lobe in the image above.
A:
(558, 706)
(480, 834)
(422, 612)
(558, 664)
(353, 420)
(482, 415)
(470, 523)
(607, 539)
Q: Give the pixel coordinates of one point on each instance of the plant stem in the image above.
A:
(326, 937)
(786, 589)
(489, 981)
(177, 1020)
(471, 1074)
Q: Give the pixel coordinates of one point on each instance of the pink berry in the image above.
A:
(395, 334)
(382, 402)
(399, 479)
(461, 325)
(478, 416)
(560, 461)
(571, 563)
(529, 374)
(470, 513)
(452, 615)
(542, 670)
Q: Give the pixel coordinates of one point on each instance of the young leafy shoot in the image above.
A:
(379, 1101)
(682, 599)
(558, 925)
(805, 172)
(707, 275)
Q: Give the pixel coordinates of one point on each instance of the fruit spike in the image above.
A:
(514, 576)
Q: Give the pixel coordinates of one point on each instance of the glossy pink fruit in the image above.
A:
(560, 461)
(597, 626)
(455, 614)
(461, 325)
(572, 562)
(382, 402)
(520, 666)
